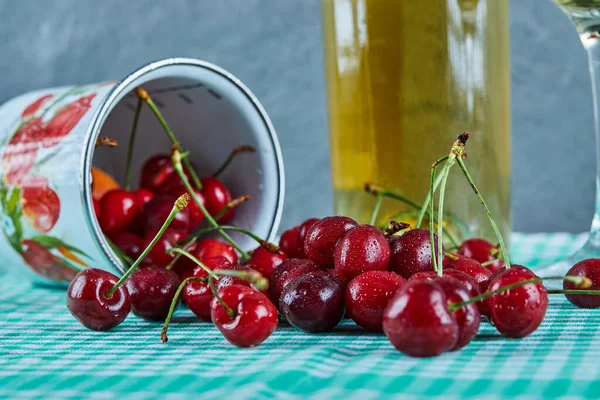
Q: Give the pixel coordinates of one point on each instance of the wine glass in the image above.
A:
(585, 14)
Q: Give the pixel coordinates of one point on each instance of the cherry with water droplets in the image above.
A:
(313, 302)
(468, 281)
(289, 243)
(482, 251)
(158, 256)
(591, 269)
(119, 210)
(411, 253)
(321, 238)
(254, 319)
(157, 210)
(286, 272)
(151, 291)
(368, 294)
(304, 227)
(197, 295)
(265, 261)
(473, 268)
(87, 300)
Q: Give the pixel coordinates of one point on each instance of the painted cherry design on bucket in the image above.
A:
(63, 122)
(46, 264)
(254, 316)
(36, 106)
(20, 153)
(87, 300)
(39, 203)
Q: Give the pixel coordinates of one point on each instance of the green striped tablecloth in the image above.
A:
(44, 352)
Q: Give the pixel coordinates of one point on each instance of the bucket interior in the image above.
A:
(210, 116)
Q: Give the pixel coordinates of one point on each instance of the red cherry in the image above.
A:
(151, 291)
(197, 295)
(119, 210)
(20, 153)
(44, 263)
(128, 243)
(158, 209)
(265, 262)
(226, 280)
(286, 272)
(368, 294)
(361, 249)
(468, 281)
(321, 238)
(155, 172)
(217, 196)
(467, 317)
(196, 214)
(591, 269)
(472, 268)
(96, 208)
(417, 320)
(209, 248)
(158, 256)
(254, 320)
(87, 301)
(35, 106)
(313, 302)
(482, 251)
(65, 120)
(289, 243)
(39, 203)
(143, 196)
(304, 227)
(173, 183)
(516, 312)
(411, 253)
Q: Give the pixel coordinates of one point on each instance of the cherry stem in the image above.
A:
(106, 141)
(449, 164)
(376, 208)
(232, 155)
(503, 250)
(145, 97)
(181, 202)
(431, 213)
(130, 145)
(483, 296)
(432, 188)
(124, 257)
(176, 157)
(580, 281)
(189, 242)
(174, 302)
(574, 291)
(213, 289)
(273, 248)
(490, 262)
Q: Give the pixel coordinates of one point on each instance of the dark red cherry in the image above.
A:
(516, 312)
(368, 294)
(155, 172)
(217, 196)
(119, 209)
(158, 256)
(482, 251)
(467, 280)
(129, 243)
(313, 302)
(467, 317)
(143, 196)
(286, 272)
(151, 291)
(197, 295)
(473, 268)
(209, 248)
(289, 243)
(304, 227)
(361, 249)
(411, 253)
(196, 214)
(227, 280)
(265, 261)
(255, 316)
(87, 300)
(96, 208)
(591, 269)
(321, 238)
(158, 209)
(417, 320)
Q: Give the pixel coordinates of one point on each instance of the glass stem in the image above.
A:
(593, 50)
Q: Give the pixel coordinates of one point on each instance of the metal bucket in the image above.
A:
(49, 230)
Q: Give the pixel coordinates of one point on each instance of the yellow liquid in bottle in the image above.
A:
(403, 79)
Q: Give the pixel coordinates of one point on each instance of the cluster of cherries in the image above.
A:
(384, 280)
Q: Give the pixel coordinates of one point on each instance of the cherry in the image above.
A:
(119, 210)
(286, 272)
(157, 210)
(411, 253)
(265, 261)
(516, 312)
(254, 319)
(87, 301)
(158, 256)
(39, 203)
(155, 171)
(20, 153)
(368, 294)
(197, 295)
(304, 227)
(313, 302)
(209, 248)
(44, 263)
(467, 317)
(417, 320)
(361, 249)
(321, 238)
(96, 208)
(473, 268)
(151, 291)
(468, 281)
(289, 243)
(227, 280)
(196, 214)
(143, 196)
(65, 120)
(591, 269)
(217, 196)
(482, 251)
(128, 243)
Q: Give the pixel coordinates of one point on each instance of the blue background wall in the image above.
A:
(275, 48)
